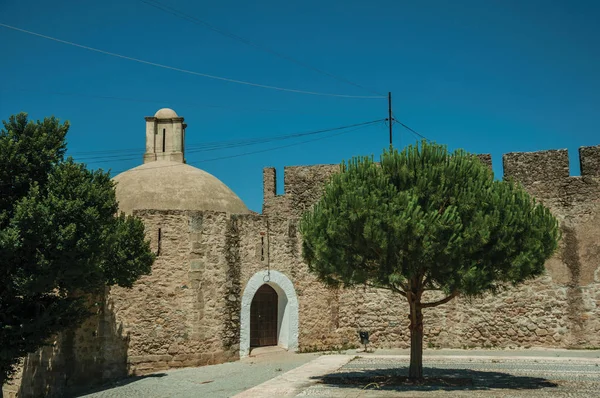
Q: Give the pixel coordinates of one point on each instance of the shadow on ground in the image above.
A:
(121, 382)
(434, 380)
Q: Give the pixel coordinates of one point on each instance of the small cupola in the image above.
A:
(165, 137)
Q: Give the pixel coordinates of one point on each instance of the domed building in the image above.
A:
(165, 181)
(215, 290)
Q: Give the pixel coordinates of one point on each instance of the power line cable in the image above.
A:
(288, 145)
(191, 18)
(363, 125)
(226, 144)
(410, 129)
(188, 71)
(219, 145)
(254, 141)
(263, 150)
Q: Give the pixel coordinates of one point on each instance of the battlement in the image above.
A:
(303, 185)
(589, 161)
(536, 167)
(297, 179)
(549, 167)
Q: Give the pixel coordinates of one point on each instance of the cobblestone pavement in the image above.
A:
(215, 381)
(503, 374)
(485, 376)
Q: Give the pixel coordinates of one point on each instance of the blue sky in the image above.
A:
(486, 76)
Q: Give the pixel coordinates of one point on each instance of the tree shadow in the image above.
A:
(435, 379)
(89, 355)
(120, 382)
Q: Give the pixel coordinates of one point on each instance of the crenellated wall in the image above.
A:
(545, 173)
(559, 309)
(303, 185)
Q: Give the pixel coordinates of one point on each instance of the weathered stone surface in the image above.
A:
(560, 309)
(589, 161)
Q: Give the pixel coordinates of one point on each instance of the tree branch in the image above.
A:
(395, 289)
(392, 288)
(439, 302)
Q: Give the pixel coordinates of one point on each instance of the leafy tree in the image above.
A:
(60, 238)
(426, 220)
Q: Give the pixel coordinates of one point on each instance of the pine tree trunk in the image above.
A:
(416, 341)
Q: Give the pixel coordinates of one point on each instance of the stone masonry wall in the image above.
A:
(280, 251)
(559, 309)
(179, 315)
(75, 359)
(187, 312)
(303, 186)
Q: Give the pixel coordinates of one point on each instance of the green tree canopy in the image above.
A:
(426, 219)
(60, 238)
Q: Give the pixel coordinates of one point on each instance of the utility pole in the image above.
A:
(390, 120)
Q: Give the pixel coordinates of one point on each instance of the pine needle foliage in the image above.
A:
(60, 238)
(426, 219)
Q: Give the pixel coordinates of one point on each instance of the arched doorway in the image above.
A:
(263, 317)
(285, 314)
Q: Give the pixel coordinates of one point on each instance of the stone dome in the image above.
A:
(165, 113)
(168, 185)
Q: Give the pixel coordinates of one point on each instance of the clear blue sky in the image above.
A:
(486, 76)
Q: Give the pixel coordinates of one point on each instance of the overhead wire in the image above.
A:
(347, 131)
(221, 145)
(262, 150)
(185, 70)
(254, 141)
(409, 129)
(217, 145)
(289, 145)
(180, 14)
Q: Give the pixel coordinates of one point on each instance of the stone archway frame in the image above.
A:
(287, 317)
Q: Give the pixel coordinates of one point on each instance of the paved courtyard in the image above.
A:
(215, 381)
(462, 377)
(455, 373)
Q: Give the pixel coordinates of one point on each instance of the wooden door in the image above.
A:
(263, 317)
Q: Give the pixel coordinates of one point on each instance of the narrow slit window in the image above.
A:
(159, 242)
(164, 139)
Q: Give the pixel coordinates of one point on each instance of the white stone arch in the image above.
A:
(287, 317)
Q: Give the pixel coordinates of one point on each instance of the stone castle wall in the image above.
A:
(187, 312)
(559, 309)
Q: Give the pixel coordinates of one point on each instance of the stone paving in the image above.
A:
(214, 381)
(476, 373)
(468, 376)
